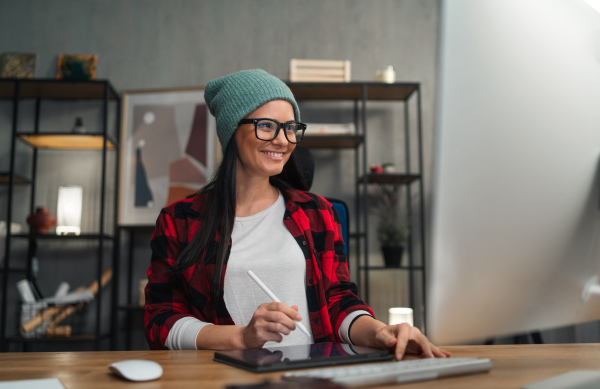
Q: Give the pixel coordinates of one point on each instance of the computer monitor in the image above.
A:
(515, 227)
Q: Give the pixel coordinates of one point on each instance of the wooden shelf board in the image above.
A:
(67, 141)
(352, 90)
(332, 141)
(52, 235)
(57, 89)
(5, 177)
(399, 179)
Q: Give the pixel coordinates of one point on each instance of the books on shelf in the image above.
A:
(330, 129)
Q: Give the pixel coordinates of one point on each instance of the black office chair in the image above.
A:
(306, 163)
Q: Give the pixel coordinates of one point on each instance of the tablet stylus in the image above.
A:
(274, 298)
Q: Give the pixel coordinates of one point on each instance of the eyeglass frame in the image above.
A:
(279, 127)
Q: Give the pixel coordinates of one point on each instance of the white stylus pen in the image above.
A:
(273, 297)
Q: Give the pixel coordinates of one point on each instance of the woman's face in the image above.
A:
(259, 158)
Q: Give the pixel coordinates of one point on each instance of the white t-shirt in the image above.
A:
(263, 244)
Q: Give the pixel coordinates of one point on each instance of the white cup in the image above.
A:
(400, 315)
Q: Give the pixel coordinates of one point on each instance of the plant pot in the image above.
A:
(392, 255)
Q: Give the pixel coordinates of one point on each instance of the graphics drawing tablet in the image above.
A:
(301, 356)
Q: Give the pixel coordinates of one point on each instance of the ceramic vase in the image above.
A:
(41, 220)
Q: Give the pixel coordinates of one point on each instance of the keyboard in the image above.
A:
(381, 373)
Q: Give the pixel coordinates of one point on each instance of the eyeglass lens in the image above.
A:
(267, 130)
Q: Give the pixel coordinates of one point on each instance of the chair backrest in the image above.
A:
(342, 209)
(307, 70)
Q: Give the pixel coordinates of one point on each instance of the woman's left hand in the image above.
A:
(404, 339)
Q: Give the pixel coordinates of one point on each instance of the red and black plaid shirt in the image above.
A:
(310, 218)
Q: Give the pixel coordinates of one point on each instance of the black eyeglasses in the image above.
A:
(268, 129)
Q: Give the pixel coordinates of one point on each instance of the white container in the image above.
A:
(400, 315)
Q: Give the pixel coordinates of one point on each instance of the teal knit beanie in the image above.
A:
(232, 97)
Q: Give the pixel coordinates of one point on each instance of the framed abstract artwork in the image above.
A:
(76, 66)
(168, 151)
(17, 65)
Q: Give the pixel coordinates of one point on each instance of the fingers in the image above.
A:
(291, 312)
(407, 334)
(256, 337)
(405, 339)
(269, 322)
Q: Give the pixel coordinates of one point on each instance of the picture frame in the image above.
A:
(169, 150)
(76, 66)
(17, 65)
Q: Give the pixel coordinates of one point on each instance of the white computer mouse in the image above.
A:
(136, 369)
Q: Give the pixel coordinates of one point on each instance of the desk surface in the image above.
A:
(513, 367)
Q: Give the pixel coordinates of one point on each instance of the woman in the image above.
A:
(253, 216)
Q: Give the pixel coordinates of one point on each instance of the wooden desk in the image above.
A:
(513, 367)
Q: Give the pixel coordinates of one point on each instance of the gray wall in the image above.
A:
(164, 44)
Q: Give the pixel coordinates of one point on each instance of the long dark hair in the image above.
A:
(219, 214)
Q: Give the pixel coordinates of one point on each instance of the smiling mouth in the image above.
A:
(273, 154)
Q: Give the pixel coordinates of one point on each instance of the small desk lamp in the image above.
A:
(69, 210)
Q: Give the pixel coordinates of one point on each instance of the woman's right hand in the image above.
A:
(269, 322)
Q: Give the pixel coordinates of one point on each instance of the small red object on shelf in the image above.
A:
(41, 221)
(376, 169)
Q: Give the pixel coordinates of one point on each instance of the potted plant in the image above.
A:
(392, 231)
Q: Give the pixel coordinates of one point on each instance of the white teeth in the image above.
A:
(272, 154)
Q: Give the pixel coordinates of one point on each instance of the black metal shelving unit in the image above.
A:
(39, 90)
(361, 93)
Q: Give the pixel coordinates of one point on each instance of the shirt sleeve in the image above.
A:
(166, 303)
(344, 331)
(184, 332)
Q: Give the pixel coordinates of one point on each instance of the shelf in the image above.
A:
(5, 177)
(332, 141)
(52, 236)
(352, 90)
(356, 235)
(57, 89)
(132, 307)
(400, 179)
(72, 338)
(78, 95)
(391, 268)
(13, 270)
(139, 227)
(67, 141)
